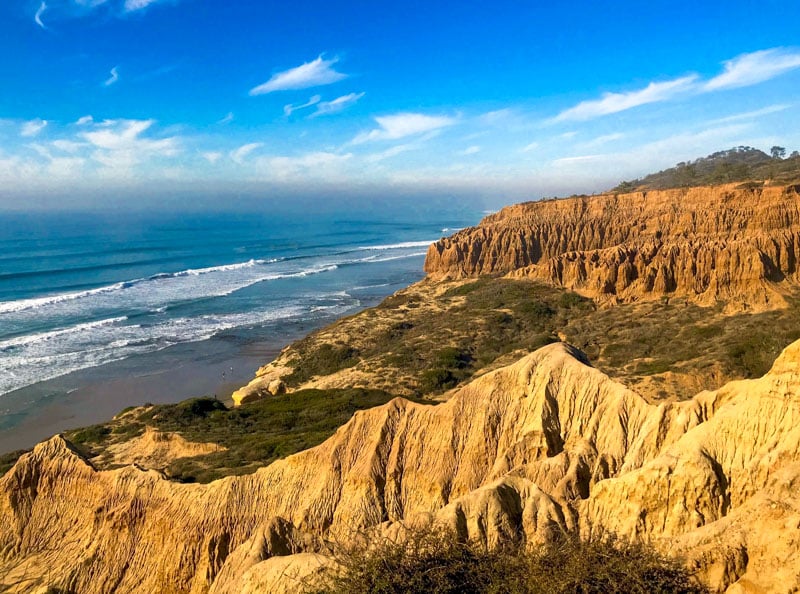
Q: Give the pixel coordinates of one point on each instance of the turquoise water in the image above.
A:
(81, 290)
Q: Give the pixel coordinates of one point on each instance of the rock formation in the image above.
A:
(548, 443)
(736, 245)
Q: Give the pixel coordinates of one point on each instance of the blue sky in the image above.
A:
(506, 100)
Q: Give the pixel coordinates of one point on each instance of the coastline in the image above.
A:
(187, 370)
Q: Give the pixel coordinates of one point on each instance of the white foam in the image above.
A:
(36, 302)
(35, 358)
(159, 290)
(397, 246)
(52, 334)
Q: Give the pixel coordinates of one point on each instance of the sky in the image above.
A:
(109, 101)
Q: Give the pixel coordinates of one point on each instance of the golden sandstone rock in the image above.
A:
(709, 244)
(547, 443)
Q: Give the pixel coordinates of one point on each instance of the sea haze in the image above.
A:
(79, 291)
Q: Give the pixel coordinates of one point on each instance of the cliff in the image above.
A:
(545, 444)
(710, 244)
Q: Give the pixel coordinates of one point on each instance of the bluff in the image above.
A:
(548, 443)
(726, 243)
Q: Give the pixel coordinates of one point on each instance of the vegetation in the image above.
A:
(8, 460)
(739, 164)
(253, 435)
(638, 341)
(433, 560)
(431, 345)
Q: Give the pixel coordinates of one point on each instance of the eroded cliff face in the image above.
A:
(710, 244)
(548, 443)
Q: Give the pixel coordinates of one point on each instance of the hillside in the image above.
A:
(743, 164)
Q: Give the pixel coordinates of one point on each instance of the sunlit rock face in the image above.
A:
(709, 244)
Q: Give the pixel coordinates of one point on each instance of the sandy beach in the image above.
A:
(94, 395)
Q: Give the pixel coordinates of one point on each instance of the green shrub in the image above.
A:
(322, 360)
(8, 460)
(437, 379)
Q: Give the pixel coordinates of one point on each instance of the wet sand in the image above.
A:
(95, 395)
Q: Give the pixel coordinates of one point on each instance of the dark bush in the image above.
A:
(434, 560)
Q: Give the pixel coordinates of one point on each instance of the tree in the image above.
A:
(794, 155)
(778, 152)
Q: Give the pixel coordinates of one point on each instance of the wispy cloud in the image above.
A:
(211, 156)
(316, 73)
(742, 71)
(113, 78)
(38, 16)
(336, 105)
(227, 119)
(289, 108)
(603, 139)
(401, 125)
(319, 164)
(32, 128)
(530, 147)
(68, 146)
(616, 102)
(120, 144)
(83, 121)
(392, 152)
(749, 115)
(241, 153)
(134, 5)
(753, 68)
(470, 150)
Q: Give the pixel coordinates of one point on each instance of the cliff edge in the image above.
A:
(710, 244)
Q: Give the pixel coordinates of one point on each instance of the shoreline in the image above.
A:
(90, 396)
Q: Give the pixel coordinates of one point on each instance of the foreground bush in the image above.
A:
(435, 561)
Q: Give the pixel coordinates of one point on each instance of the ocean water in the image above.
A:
(79, 291)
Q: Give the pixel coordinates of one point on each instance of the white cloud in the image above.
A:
(90, 3)
(320, 164)
(120, 144)
(497, 116)
(66, 167)
(337, 105)
(113, 78)
(470, 150)
(530, 147)
(240, 154)
(401, 125)
(749, 115)
(392, 152)
(212, 156)
(38, 16)
(753, 68)
(578, 159)
(68, 146)
(316, 73)
(616, 102)
(83, 121)
(604, 139)
(651, 156)
(32, 127)
(229, 117)
(133, 5)
(289, 109)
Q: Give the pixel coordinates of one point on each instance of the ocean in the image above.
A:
(123, 292)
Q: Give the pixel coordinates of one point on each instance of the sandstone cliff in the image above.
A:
(735, 245)
(548, 443)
